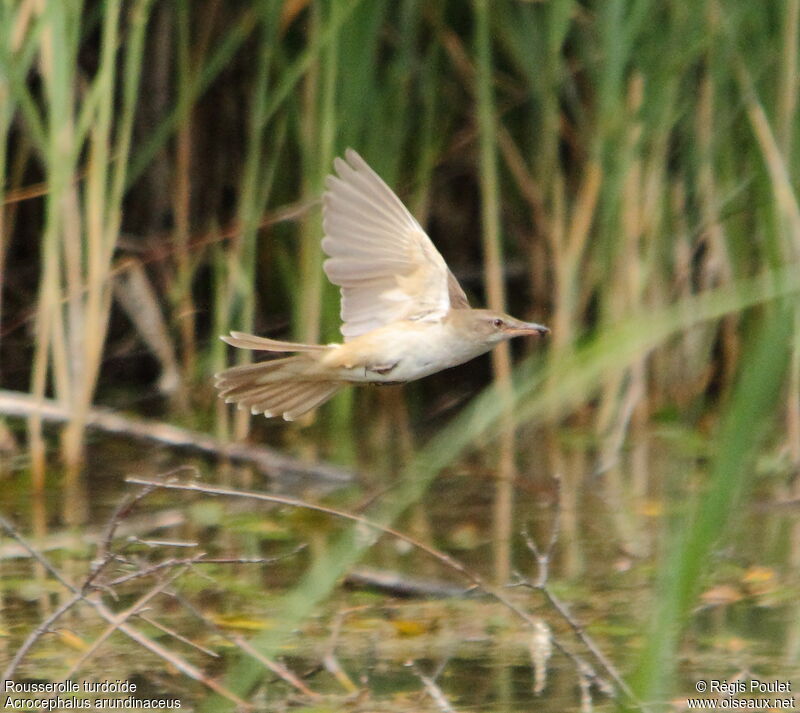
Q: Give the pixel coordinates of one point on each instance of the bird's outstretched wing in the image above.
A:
(386, 266)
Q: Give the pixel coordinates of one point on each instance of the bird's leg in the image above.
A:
(383, 369)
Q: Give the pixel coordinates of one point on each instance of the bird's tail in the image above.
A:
(262, 344)
(287, 387)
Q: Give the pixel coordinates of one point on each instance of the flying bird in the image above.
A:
(404, 314)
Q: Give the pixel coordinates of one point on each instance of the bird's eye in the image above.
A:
(498, 323)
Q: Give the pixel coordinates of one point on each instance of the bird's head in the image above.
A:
(493, 327)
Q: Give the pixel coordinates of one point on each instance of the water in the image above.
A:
(373, 647)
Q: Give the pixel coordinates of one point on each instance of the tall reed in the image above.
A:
(81, 222)
(495, 286)
(8, 22)
(238, 285)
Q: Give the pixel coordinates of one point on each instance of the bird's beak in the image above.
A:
(520, 329)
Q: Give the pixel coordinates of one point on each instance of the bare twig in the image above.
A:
(164, 543)
(122, 617)
(432, 689)
(104, 553)
(178, 562)
(41, 559)
(92, 537)
(277, 668)
(178, 662)
(585, 683)
(543, 557)
(175, 635)
(579, 664)
(122, 511)
(441, 557)
(101, 561)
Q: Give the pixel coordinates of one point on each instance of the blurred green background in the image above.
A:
(624, 171)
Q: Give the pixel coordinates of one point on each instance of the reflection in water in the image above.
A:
(611, 541)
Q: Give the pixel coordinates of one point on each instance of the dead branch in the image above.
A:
(176, 566)
(268, 461)
(438, 555)
(476, 580)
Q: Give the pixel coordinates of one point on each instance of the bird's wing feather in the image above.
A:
(380, 257)
(458, 300)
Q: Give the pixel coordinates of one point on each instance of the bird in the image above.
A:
(404, 314)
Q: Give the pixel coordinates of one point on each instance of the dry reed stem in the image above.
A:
(267, 460)
(789, 84)
(626, 391)
(502, 515)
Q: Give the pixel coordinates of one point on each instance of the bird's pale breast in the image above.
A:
(402, 351)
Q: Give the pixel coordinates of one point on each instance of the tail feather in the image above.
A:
(251, 341)
(286, 401)
(294, 368)
(290, 400)
(322, 392)
(268, 399)
(247, 396)
(243, 372)
(287, 387)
